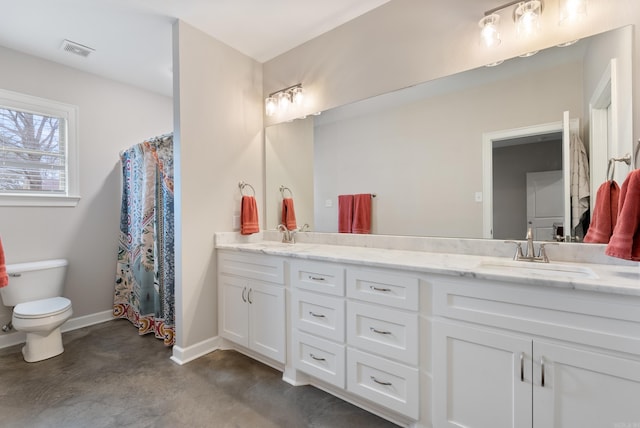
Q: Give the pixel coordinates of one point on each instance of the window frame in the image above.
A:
(68, 112)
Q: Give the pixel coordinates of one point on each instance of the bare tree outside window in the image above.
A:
(32, 153)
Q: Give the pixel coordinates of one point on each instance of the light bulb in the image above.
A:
(284, 100)
(270, 105)
(298, 95)
(527, 17)
(489, 35)
(572, 11)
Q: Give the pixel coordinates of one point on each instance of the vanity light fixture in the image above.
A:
(281, 100)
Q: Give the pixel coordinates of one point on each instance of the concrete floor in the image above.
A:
(109, 376)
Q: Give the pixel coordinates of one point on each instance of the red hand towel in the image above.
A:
(345, 213)
(288, 214)
(605, 213)
(625, 241)
(249, 216)
(4, 278)
(362, 213)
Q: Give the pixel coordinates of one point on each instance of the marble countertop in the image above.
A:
(603, 278)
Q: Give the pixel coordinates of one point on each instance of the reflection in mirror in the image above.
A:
(420, 149)
(289, 159)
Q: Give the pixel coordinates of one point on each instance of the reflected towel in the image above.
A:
(4, 279)
(605, 213)
(288, 214)
(579, 181)
(625, 241)
(249, 216)
(361, 213)
(345, 213)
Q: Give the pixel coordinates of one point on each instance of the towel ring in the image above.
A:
(611, 168)
(242, 185)
(285, 189)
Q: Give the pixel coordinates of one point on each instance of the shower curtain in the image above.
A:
(144, 286)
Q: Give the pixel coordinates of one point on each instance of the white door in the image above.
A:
(545, 203)
(482, 379)
(584, 389)
(267, 320)
(234, 309)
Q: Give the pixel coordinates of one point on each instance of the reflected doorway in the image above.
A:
(513, 209)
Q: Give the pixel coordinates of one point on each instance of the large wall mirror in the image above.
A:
(451, 157)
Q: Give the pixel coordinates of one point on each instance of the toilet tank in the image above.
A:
(34, 281)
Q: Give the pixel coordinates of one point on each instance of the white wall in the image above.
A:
(218, 111)
(112, 117)
(423, 159)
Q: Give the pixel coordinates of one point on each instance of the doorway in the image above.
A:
(514, 198)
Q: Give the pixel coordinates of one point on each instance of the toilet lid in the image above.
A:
(42, 308)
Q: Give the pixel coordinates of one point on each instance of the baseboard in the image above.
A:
(87, 320)
(17, 337)
(184, 355)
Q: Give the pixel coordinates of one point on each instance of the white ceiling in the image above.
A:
(132, 38)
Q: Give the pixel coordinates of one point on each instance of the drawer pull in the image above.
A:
(522, 367)
(249, 296)
(244, 290)
(14, 275)
(373, 378)
(316, 278)
(313, 314)
(375, 330)
(542, 372)
(384, 290)
(317, 358)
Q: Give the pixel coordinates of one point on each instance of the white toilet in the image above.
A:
(35, 291)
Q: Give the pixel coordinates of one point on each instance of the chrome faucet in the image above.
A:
(530, 255)
(287, 235)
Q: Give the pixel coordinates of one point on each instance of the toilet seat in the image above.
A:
(42, 308)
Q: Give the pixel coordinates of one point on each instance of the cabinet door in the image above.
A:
(267, 320)
(233, 309)
(481, 378)
(584, 389)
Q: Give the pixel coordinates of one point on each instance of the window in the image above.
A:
(38, 151)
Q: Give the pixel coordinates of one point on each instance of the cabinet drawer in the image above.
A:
(383, 287)
(319, 314)
(383, 331)
(389, 384)
(318, 276)
(254, 266)
(320, 358)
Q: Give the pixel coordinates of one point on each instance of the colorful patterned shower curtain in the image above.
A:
(144, 288)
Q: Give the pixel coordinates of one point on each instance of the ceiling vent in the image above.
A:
(76, 48)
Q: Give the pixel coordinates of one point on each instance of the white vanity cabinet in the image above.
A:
(357, 329)
(382, 338)
(251, 302)
(514, 356)
(318, 318)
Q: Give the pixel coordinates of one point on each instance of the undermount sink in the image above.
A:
(536, 269)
